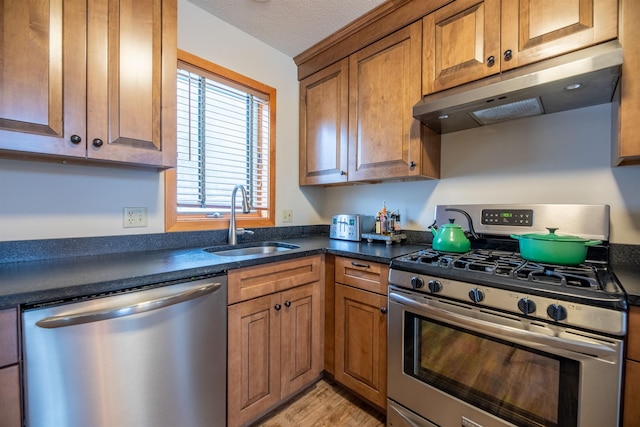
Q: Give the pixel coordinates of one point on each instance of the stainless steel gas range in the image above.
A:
(486, 338)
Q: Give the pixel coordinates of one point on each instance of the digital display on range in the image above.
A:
(515, 217)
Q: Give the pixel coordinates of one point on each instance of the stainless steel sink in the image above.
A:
(251, 249)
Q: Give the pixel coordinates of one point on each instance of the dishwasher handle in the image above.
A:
(141, 307)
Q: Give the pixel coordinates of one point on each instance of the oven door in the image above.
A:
(456, 364)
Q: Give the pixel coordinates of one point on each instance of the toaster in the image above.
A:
(351, 226)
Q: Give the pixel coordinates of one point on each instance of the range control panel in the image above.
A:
(508, 217)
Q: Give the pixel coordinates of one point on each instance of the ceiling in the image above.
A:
(290, 26)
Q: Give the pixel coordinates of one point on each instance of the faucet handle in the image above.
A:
(241, 231)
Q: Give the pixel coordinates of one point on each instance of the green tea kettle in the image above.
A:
(451, 237)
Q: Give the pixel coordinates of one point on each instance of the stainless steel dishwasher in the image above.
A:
(147, 357)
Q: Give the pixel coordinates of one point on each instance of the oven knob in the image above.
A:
(434, 286)
(526, 306)
(557, 312)
(476, 295)
(417, 282)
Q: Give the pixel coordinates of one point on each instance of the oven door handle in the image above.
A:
(501, 331)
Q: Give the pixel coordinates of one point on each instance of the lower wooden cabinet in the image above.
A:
(10, 401)
(275, 341)
(631, 415)
(361, 343)
(361, 328)
(631, 408)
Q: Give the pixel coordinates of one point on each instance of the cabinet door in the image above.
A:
(131, 66)
(384, 84)
(302, 357)
(10, 415)
(43, 76)
(631, 414)
(361, 343)
(625, 149)
(324, 121)
(461, 44)
(533, 30)
(253, 377)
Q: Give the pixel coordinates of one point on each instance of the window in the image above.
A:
(225, 137)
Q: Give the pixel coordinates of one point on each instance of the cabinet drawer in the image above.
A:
(10, 415)
(252, 282)
(366, 275)
(633, 339)
(8, 337)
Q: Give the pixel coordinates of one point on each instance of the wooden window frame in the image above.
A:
(175, 221)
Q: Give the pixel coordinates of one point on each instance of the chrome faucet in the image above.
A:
(233, 239)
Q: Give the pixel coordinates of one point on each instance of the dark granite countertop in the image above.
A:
(629, 277)
(47, 280)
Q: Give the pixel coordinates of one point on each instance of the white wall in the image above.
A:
(42, 200)
(557, 158)
(560, 158)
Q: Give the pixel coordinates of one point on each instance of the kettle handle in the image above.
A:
(471, 230)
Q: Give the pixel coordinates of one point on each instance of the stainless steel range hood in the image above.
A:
(531, 90)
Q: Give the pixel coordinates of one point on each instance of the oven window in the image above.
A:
(518, 384)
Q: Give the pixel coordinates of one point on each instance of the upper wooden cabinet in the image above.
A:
(356, 121)
(89, 80)
(471, 39)
(458, 40)
(626, 129)
(324, 124)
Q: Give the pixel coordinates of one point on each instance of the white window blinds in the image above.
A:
(223, 141)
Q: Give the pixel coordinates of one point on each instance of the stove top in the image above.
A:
(511, 265)
(494, 274)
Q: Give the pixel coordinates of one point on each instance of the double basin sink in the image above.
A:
(251, 249)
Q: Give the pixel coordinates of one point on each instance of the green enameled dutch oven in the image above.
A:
(553, 248)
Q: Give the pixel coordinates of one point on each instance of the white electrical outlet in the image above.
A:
(287, 215)
(134, 217)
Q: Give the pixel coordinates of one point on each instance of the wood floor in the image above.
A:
(325, 404)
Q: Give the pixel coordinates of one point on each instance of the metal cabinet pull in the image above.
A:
(287, 303)
(383, 310)
(97, 142)
(75, 139)
(491, 61)
(277, 307)
(356, 264)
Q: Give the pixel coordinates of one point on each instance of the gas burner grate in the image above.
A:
(488, 261)
(509, 265)
(581, 276)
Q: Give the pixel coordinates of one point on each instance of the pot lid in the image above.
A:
(553, 237)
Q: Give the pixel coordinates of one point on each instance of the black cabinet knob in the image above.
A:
(412, 164)
(277, 307)
(287, 303)
(491, 61)
(508, 55)
(97, 142)
(383, 310)
(76, 139)
(343, 173)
